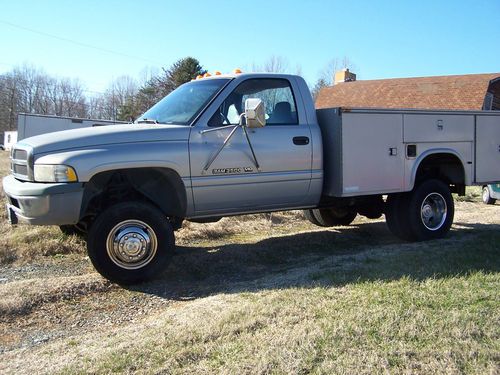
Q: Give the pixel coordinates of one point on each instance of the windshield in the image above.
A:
(183, 104)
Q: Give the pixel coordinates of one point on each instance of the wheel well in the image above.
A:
(160, 186)
(445, 167)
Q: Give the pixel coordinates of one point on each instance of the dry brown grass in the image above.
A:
(21, 297)
(236, 226)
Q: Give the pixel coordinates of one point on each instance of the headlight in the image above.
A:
(54, 173)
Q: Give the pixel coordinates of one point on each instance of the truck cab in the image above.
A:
(271, 167)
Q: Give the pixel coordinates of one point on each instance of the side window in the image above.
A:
(275, 93)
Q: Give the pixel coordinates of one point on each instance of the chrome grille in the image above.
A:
(20, 154)
(21, 163)
(20, 169)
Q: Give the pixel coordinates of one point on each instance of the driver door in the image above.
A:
(235, 182)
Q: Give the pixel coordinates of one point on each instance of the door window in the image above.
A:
(276, 94)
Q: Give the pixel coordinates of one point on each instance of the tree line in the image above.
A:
(30, 90)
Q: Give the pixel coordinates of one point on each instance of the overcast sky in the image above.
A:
(97, 41)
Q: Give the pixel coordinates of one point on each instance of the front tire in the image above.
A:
(130, 242)
(487, 199)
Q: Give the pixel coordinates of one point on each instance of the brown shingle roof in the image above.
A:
(459, 92)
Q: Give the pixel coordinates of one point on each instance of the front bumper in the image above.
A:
(43, 203)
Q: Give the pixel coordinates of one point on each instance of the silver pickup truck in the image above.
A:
(245, 143)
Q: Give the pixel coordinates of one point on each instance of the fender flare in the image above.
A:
(431, 152)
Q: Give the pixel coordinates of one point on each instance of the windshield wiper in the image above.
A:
(147, 121)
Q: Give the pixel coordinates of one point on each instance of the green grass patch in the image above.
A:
(436, 259)
(416, 309)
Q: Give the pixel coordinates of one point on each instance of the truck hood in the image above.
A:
(105, 135)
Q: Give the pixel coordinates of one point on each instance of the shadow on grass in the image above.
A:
(336, 257)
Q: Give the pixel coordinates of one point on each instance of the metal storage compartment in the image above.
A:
(438, 127)
(487, 148)
(363, 151)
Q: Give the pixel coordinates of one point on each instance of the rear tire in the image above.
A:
(331, 217)
(71, 230)
(396, 216)
(310, 216)
(130, 242)
(487, 199)
(431, 210)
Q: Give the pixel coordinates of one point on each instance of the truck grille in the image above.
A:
(20, 154)
(21, 163)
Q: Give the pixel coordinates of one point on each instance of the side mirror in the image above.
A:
(255, 113)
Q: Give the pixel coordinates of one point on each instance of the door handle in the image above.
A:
(300, 141)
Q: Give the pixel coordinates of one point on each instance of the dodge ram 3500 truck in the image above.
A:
(246, 143)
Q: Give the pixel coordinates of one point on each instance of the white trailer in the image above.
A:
(9, 139)
(29, 125)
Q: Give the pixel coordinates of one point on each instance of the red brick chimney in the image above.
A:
(343, 75)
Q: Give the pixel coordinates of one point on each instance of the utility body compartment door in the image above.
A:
(487, 148)
(372, 153)
(438, 128)
(363, 152)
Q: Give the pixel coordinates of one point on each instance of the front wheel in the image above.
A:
(487, 199)
(130, 242)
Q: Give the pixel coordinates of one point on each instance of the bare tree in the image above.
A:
(274, 64)
(334, 65)
(28, 89)
(326, 75)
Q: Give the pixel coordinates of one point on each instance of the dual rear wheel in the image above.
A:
(426, 213)
(330, 217)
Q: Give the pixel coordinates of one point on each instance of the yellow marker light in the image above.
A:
(237, 71)
(207, 74)
(71, 175)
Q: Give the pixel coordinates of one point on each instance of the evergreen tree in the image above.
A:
(182, 71)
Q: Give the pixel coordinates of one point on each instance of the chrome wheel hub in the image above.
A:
(486, 194)
(131, 244)
(433, 211)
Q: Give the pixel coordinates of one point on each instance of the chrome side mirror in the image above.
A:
(255, 113)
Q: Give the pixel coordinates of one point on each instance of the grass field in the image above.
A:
(262, 294)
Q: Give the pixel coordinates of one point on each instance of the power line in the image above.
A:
(80, 43)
